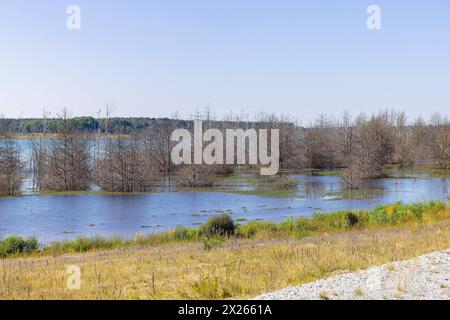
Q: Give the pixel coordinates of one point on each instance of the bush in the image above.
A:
(352, 219)
(219, 226)
(180, 233)
(13, 245)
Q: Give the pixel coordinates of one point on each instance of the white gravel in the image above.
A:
(423, 278)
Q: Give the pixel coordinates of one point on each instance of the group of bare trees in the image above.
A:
(437, 143)
(123, 166)
(365, 145)
(371, 150)
(61, 162)
(72, 160)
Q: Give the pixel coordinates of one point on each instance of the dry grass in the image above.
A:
(237, 269)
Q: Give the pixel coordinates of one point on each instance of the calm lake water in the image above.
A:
(53, 218)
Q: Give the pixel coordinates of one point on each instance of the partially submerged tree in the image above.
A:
(320, 144)
(11, 174)
(121, 166)
(39, 154)
(196, 175)
(439, 142)
(372, 149)
(403, 153)
(67, 166)
(157, 148)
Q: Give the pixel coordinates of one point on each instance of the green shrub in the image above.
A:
(211, 243)
(399, 213)
(326, 222)
(219, 226)
(14, 245)
(180, 233)
(251, 229)
(84, 244)
(303, 227)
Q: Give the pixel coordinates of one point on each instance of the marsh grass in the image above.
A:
(47, 193)
(381, 216)
(50, 193)
(261, 192)
(329, 173)
(273, 187)
(419, 170)
(270, 193)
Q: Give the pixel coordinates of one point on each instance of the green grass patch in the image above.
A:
(395, 172)
(358, 194)
(329, 173)
(45, 193)
(49, 193)
(269, 193)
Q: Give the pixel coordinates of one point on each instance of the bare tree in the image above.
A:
(158, 147)
(196, 175)
(403, 143)
(11, 174)
(120, 166)
(419, 137)
(39, 154)
(320, 144)
(439, 141)
(372, 149)
(344, 142)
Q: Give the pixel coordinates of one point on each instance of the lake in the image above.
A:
(58, 217)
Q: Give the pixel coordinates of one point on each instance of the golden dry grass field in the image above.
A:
(236, 269)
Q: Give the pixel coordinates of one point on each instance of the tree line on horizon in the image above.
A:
(86, 124)
(78, 153)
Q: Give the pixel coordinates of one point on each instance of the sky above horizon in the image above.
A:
(153, 58)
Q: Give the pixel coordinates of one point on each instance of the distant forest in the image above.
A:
(80, 124)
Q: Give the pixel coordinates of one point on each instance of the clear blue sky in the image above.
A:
(151, 58)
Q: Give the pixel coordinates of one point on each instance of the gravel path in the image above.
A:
(426, 277)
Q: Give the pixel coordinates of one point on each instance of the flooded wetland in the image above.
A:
(243, 196)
